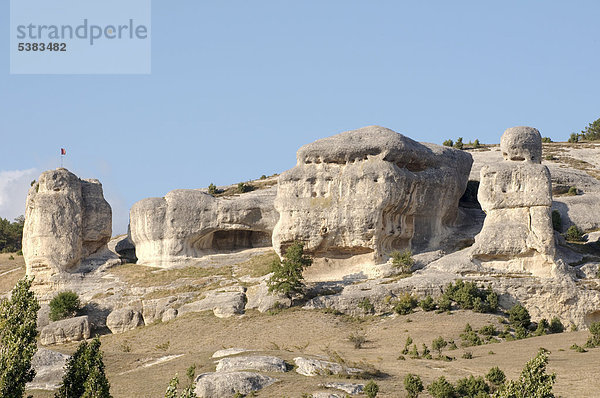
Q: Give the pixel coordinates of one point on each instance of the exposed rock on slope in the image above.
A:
(191, 223)
(516, 195)
(367, 192)
(66, 220)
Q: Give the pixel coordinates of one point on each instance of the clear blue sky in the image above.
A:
(238, 86)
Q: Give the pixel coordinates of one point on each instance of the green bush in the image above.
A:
(403, 260)
(546, 140)
(212, 189)
(459, 143)
(413, 385)
(18, 333)
(573, 138)
(287, 274)
(371, 389)
(594, 339)
(441, 388)
(84, 373)
(448, 142)
(495, 376)
(64, 305)
(405, 304)
(469, 337)
(358, 339)
(519, 316)
(472, 387)
(444, 303)
(592, 131)
(556, 220)
(407, 344)
(11, 234)
(572, 191)
(188, 391)
(556, 326)
(439, 344)
(476, 144)
(469, 297)
(427, 304)
(533, 382)
(488, 330)
(574, 234)
(541, 327)
(366, 305)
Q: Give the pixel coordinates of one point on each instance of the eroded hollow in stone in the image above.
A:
(592, 317)
(229, 240)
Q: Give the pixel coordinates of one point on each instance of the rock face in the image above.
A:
(260, 363)
(191, 223)
(49, 369)
(223, 303)
(315, 367)
(66, 330)
(66, 220)
(124, 319)
(368, 192)
(227, 384)
(516, 194)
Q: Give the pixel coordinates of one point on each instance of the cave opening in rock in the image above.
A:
(240, 239)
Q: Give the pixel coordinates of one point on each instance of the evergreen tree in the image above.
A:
(533, 382)
(287, 274)
(18, 332)
(84, 376)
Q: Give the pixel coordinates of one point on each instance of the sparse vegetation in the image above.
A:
(533, 382)
(594, 339)
(469, 337)
(188, 391)
(212, 189)
(371, 389)
(427, 304)
(459, 143)
(556, 220)
(448, 142)
(18, 333)
(405, 305)
(366, 305)
(573, 138)
(64, 305)
(468, 296)
(403, 260)
(472, 387)
(287, 274)
(441, 388)
(358, 339)
(243, 187)
(572, 191)
(413, 385)
(438, 345)
(518, 316)
(496, 377)
(546, 140)
(574, 234)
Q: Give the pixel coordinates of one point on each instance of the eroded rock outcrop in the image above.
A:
(364, 193)
(191, 223)
(66, 220)
(516, 195)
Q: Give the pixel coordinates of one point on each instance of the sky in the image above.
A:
(238, 86)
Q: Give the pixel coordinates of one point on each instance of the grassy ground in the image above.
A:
(192, 339)
(12, 268)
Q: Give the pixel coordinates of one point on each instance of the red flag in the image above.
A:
(63, 151)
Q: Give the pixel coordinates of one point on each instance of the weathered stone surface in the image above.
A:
(159, 309)
(350, 388)
(229, 352)
(368, 192)
(227, 384)
(517, 197)
(169, 315)
(260, 363)
(124, 319)
(66, 330)
(66, 220)
(261, 299)
(191, 223)
(223, 303)
(49, 369)
(314, 367)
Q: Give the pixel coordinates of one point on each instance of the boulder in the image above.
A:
(66, 220)
(361, 194)
(66, 330)
(229, 352)
(223, 303)
(49, 369)
(350, 388)
(261, 299)
(124, 319)
(192, 223)
(260, 363)
(227, 384)
(157, 309)
(315, 367)
(516, 195)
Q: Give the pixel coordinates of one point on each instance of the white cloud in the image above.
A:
(14, 185)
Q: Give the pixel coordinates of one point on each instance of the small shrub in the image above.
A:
(556, 220)
(212, 189)
(573, 138)
(476, 144)
(164, 346)
(64, 305)
(468, 355)
(574, 234)
(405, 304)
(572, 191)
(366, 305)
(243, 188)
(472, 387)
(413, 353)
(549, 157)
(125, 346)
(11, 257)
(521, 333)
(541, 327)
(448, 142)
(413, 385)
(496, 376)
(263, 177)
(577, 348)
(556, 326)
(470, 297)
(444, 304)
(426, 353)
(469, 337)
(594, 339)
(357, 339)
(403, 260)
(409, 341)
(488, 330)
(546, 140)
(371, 389)
(441, 388)
(459, 143)
(533, 382)
(519, 316)
(427, 304)
(438, 345)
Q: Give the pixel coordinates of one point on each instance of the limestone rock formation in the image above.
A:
(315, 367)
(227, 384)
(367, 192)
(124, 319)
(66, 330)
(49, 369)
(191, 223)
(516, 195)
(224, 303)
(260, 363)
(66, 220)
